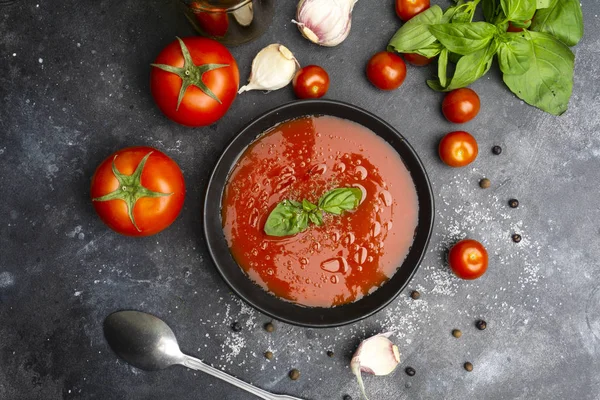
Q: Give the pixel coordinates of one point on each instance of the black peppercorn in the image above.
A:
(269, 327)
(330, 354)
(485, 183)
(269, 355)
(468, 366)
(513, 203)
(236, 327)
(415, 295)
(481, 324)
(456, 333)
(497, 150)
(294, 374)
(410, 371)
(516, 238)
(347, 397)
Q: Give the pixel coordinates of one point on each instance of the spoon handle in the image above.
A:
(194, 363)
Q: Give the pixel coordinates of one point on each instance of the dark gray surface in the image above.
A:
(74, 88)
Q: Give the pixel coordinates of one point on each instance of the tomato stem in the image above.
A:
(191, 74)
(130, 189)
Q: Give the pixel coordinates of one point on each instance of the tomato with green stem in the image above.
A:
(311, 82)
(386, 70)
(194, 81)
(406, 9)
(138, 191)
(458, 149)
(468, 259)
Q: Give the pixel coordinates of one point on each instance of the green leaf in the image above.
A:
(308, 206)
(490, 10)
(543, 3)
(518, 10)
(286, 219)
(515, 53)
(415, 34)
(431, 50)
(468, 69)
(443, 67)
(548, 83)
(563, 19)
(316, 218)
(464, 38)
(339, 200)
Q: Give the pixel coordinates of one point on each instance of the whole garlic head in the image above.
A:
(325, 22)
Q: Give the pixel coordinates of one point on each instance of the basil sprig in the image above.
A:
(291, 217)
(537, 63)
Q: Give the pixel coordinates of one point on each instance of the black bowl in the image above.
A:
(284, 310)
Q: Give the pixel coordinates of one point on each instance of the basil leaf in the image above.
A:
(464, 38)
(415, 34)
(563, 19)
(514, 54)
(490, 10)
(469, 68)
(316, 218)
(543, 3)
(431, 50)
(308, 206)
(286, 219)
(518, 10)
(295, 203)
(548, 83)
(443, 67)
(340, 200)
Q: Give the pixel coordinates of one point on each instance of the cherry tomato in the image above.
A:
(311, 82)
(417, 59)
(458, 149)
(406, 9)
(197, 91)
(468, 259)
(386, 70)
(513, 28)
(461, 105)
(213, 23)
(142, 196)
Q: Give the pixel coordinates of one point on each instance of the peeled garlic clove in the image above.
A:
(377, 356)
(273, 68)
(325, 22)
(244, 15)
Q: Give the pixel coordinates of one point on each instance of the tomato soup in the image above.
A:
(350, 255)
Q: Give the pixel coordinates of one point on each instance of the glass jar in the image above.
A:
(230, 22)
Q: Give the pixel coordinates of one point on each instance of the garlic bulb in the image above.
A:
(273, 68)
(325, 22)
(377, 356)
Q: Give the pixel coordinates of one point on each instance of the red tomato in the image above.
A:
(386, 70)
(468, 259)
(458, 149)
(208, 81)
(461, 105)
(311, 82)
(513, 28)
(213, 23)
(406, 9)
(417, 59)
(153, 190)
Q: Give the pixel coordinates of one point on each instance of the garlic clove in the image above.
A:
(273, 67)
(244, 15)
(376, 355)
(325, 22)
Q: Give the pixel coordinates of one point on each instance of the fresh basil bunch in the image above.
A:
(537, 64)
(290, 217)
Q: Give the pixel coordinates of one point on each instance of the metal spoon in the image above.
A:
(147, 342)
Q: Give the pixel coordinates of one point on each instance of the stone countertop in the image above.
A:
(74, 89)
